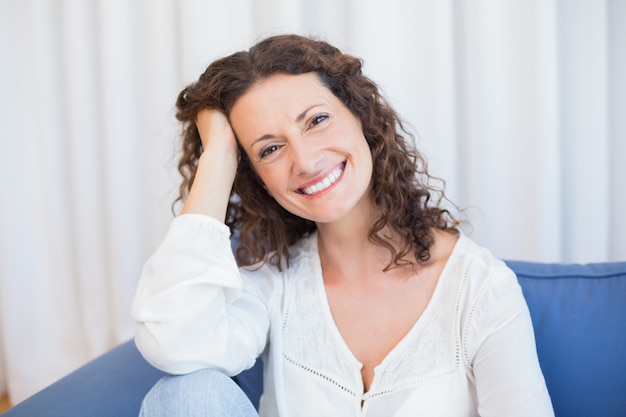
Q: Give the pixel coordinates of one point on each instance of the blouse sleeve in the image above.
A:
(193, 307)
(502, 354)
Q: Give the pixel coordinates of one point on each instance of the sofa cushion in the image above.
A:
(579, 316)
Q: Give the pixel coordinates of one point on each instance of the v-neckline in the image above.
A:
(400, 346)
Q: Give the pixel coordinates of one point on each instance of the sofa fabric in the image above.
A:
(578, 312)
(579, 316)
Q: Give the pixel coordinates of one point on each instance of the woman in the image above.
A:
(351, 280)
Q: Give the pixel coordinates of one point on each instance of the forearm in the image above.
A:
(212, 185)
(217, 166)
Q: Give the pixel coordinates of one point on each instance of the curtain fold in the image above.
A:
(508, 135)
(519, 106)
(616, 87)
(583, 100)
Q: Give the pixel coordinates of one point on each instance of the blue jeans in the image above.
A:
(204, 393)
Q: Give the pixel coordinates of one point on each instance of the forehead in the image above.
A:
(282, 90)
(277, 99)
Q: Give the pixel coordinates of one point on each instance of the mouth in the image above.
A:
(325, 183)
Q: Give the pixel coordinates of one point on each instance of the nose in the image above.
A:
(305, 157)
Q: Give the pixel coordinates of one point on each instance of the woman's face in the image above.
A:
(306, 146)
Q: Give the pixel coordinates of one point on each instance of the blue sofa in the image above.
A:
(578, 311)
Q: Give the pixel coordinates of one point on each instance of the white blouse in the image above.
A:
(471, 353)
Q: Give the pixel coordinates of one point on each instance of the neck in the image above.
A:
(350, 232)
(346, 251)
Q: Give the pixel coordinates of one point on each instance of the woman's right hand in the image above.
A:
(215, 131)
(217, 166)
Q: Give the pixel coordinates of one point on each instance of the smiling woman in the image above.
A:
(86, 140)
(400, 181)
(350, 279)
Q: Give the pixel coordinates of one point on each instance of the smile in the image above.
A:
(329, 180)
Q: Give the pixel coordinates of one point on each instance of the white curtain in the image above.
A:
(520, 106)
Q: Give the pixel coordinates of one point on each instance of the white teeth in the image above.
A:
(325, 183)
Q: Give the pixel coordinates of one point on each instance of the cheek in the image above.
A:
(268, 180)
(367, 162)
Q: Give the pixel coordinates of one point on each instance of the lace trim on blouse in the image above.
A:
(313, 343)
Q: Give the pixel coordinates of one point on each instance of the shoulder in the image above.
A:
(490, 296)
(482, 270)
(474, 268)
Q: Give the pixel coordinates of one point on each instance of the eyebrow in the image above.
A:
(302, 115)
(299, 118)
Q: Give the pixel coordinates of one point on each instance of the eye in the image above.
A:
(268, 150)
(317, 119)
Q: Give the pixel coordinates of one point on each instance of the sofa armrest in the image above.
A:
(113, 384)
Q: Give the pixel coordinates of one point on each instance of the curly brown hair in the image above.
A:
(402, 193)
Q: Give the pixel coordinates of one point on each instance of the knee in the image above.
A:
(201, 393)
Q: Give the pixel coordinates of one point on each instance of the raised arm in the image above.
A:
(192, 306)
(217, 166)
